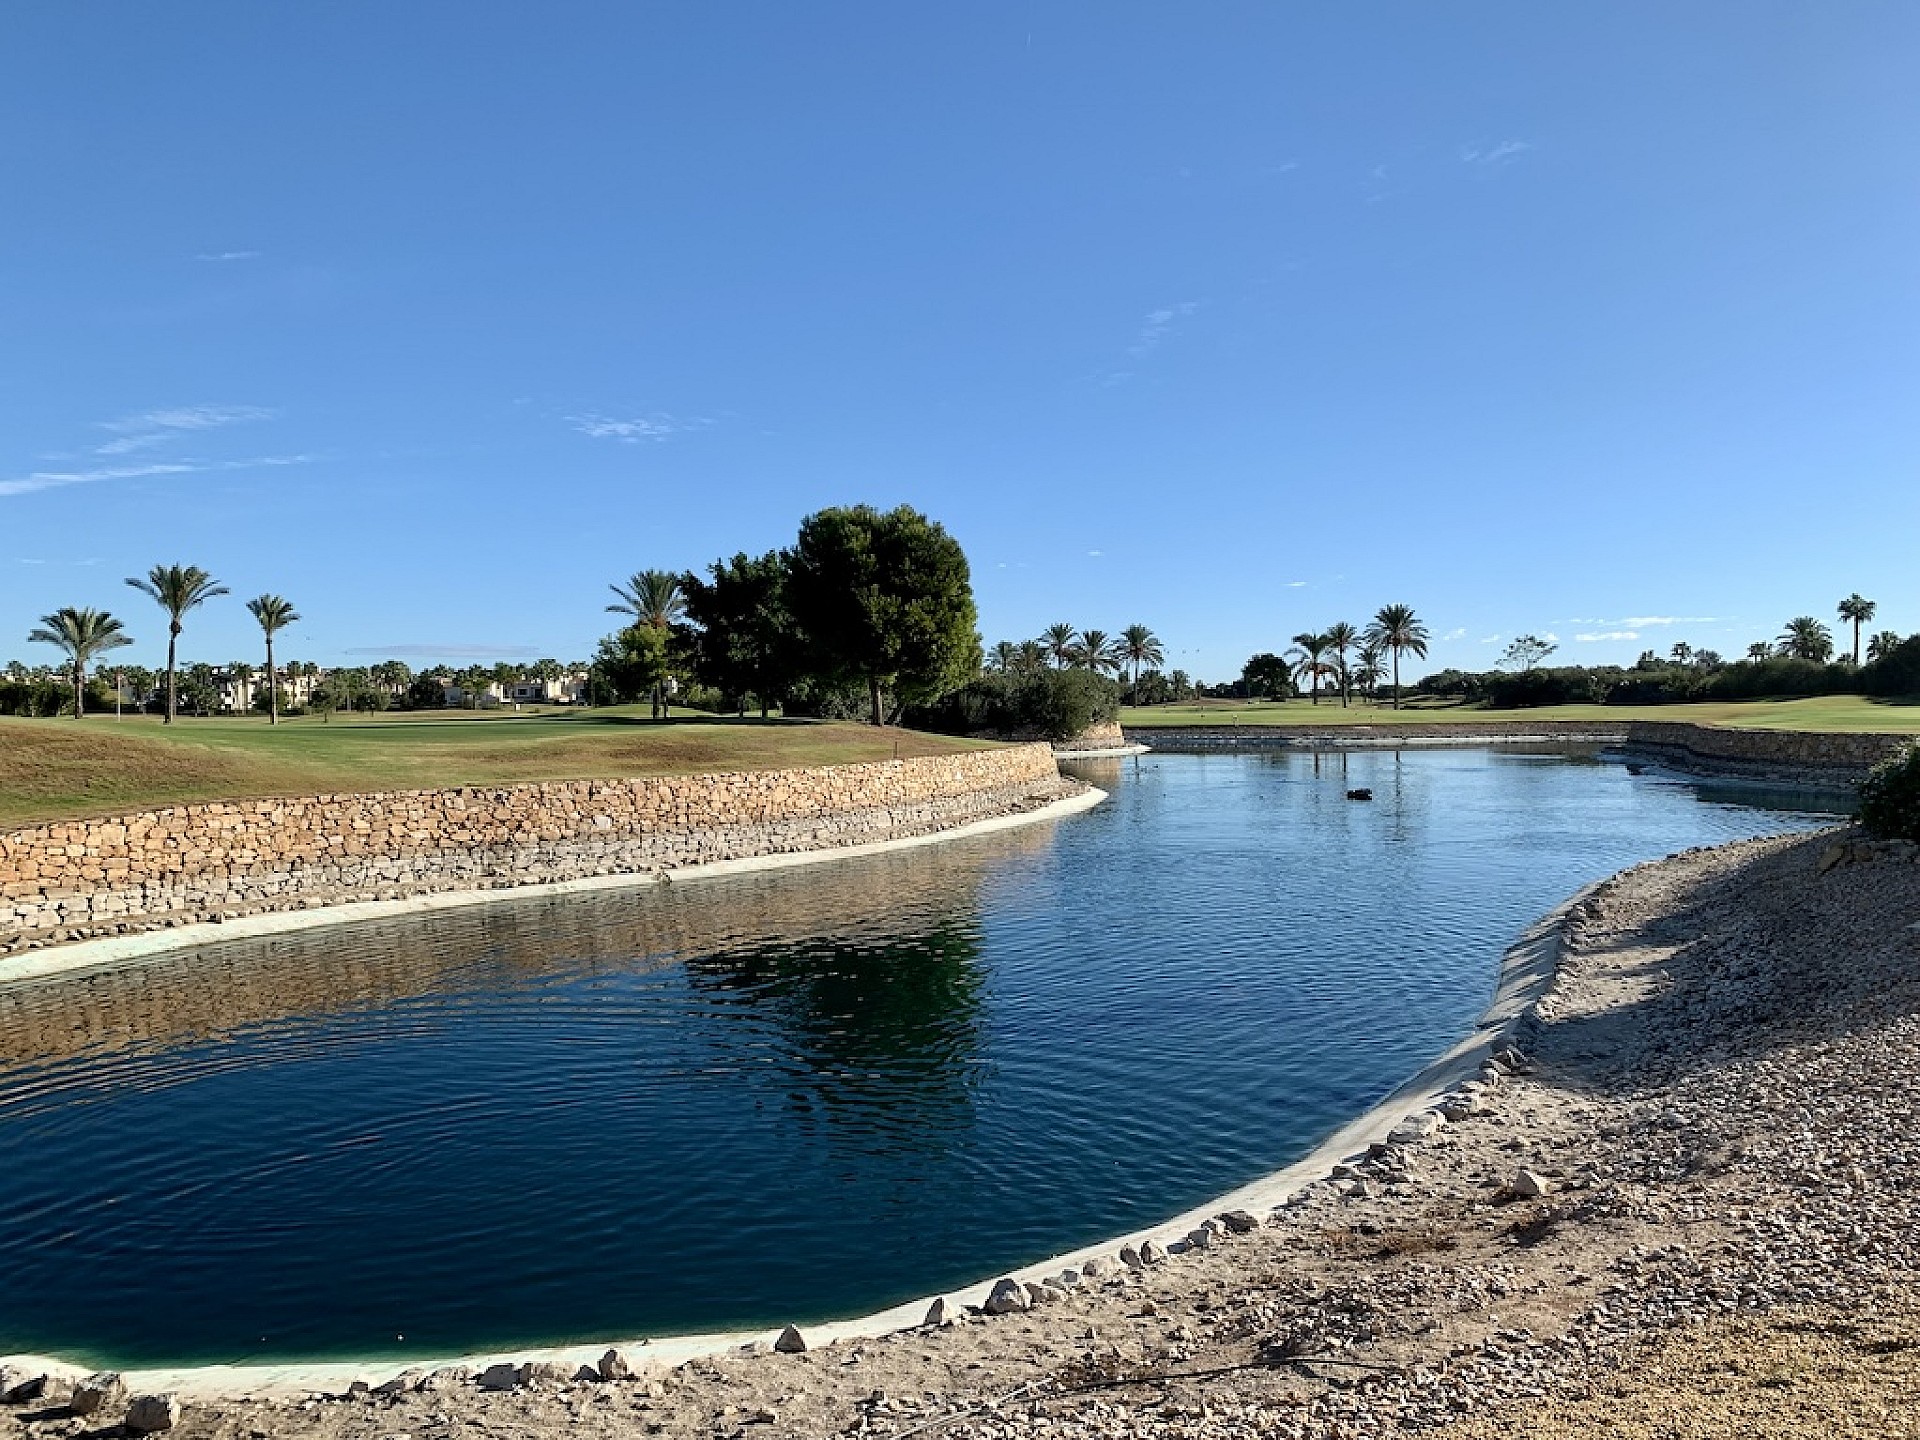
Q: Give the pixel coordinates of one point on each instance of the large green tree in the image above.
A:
(84, 635)
(176, 589)
(274, 615)
(747, 643)
(1267, 674)
(1857, 610)
(1397, 630)
(884, 599)
(628, 664)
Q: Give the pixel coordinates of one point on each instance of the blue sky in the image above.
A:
(1235, 320)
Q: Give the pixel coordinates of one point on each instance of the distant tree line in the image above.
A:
(1802, 660)
(1342, 660)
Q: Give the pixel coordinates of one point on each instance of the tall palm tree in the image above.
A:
(658, 600)
(1857, 609)
(1759, 650)
(1805, 638)
(83, 634)
(1882, 645)
(1001, 657)
(176, 589)
(1342, 637)
(1141, 647)
(1030, 657)
(1059, 640)
(655, 598)
(1310, 660)
(274, 614)
(1094, 651)
(1397, 630)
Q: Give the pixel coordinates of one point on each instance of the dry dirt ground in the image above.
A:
(1718, 1101)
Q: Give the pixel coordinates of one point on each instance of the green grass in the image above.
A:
(57, 769)
(1823, 712)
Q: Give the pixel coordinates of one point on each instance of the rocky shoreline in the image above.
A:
(1681, 1203)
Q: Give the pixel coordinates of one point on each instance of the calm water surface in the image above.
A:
(784, 1097)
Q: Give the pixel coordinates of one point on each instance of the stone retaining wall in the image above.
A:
(1766, 754)
(1102, 735)
(1793, 756)
(82, 879)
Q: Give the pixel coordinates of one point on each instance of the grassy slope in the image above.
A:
(56, 769)
(1826, 712)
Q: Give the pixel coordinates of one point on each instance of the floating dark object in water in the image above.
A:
(1359, 794)
(1633, 769)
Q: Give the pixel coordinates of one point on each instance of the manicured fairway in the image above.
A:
(57, 769)
(1823, 712)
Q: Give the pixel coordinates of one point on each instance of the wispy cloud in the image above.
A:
(1096, 553)
(1296, 585)
(222, 257)
(412, 650)
(1493, 154)
(134, 433)
(1592, 637)
(1491, 639)
(655, 427)
(1648, 622)
(55, 479)
(1455, 634)
(1155, 327)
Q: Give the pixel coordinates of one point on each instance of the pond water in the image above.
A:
(786, 1097)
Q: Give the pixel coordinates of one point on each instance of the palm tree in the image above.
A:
(656, 599)
(1759, 650)
(1805, 638)
(1310, 660)
(1857, 609)
(1059, 641)
(1141, 647)
(1030, 657)
(1342, 637)
(1002, 657)
(1882, 645)
(176, 589)
(83, 634)
(240, 678)
(1369, 668)
(273, 613)
(1094, 651)
(1397, 630)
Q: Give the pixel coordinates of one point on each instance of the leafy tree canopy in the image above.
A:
(884, 599)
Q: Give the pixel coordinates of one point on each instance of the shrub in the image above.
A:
(1895, 673)
(1890, 797)
(1051, 705)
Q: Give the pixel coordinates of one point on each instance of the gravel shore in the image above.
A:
(1688, 1208)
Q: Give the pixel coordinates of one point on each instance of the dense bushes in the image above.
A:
(1047, 705)
(1895, 673)
(1890, 797)
(1660, 682)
